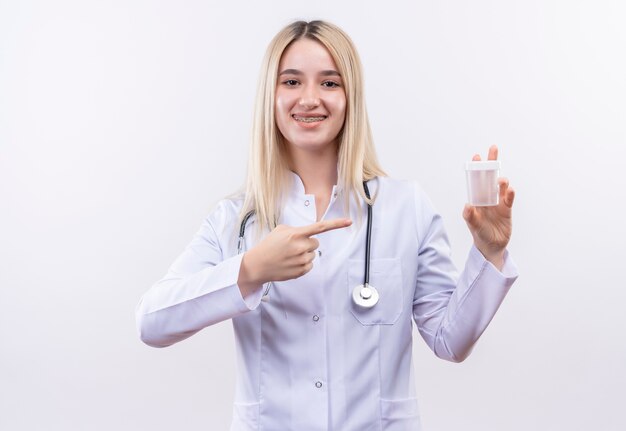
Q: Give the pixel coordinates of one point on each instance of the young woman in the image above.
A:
(321, 287)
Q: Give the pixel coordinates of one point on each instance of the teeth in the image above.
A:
(308, 119)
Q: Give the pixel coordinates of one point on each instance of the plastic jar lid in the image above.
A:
(486, 165)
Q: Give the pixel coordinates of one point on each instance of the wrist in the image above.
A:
(496, 257)
(250, 278)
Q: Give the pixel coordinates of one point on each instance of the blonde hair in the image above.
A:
(267, 165)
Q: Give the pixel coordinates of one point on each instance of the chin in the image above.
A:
(313, 146)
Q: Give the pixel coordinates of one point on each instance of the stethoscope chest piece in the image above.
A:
(365, 296)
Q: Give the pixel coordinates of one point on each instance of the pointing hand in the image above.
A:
(286, 253)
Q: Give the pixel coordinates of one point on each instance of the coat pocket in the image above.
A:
(386, 277)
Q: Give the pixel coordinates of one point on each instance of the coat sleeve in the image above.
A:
(450, 311)
(199, 289)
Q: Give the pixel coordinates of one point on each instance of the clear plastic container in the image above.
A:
(482, 182)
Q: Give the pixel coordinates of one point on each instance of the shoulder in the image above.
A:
(407, 197)
(225, 213)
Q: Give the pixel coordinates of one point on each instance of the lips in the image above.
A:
(309, 118)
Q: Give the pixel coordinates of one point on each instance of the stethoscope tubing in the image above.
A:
(368, 239)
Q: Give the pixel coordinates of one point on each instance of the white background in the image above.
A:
(123, 122)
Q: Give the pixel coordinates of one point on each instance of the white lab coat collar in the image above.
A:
(297, 186)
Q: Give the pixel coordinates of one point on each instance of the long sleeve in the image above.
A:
(452, 312)
(199, 289)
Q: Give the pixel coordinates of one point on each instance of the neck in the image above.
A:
(318, 172)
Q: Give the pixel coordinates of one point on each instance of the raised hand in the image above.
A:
(491, 227)
(286, 253)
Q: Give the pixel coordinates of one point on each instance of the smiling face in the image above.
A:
(310, 98)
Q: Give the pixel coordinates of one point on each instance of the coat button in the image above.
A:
(318, 384)
(316, 318)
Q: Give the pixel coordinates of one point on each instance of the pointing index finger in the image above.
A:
(324, 226)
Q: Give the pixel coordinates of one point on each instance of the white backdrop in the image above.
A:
(123, 122)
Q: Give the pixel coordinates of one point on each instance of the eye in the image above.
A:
(330, 84)
(290, 82)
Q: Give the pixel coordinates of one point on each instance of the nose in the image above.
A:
(309, 98)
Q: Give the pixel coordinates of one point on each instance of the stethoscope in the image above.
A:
(364, 295)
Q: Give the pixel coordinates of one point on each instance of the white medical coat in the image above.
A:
(308, 358)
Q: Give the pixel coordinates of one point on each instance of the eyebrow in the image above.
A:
(297, 72)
